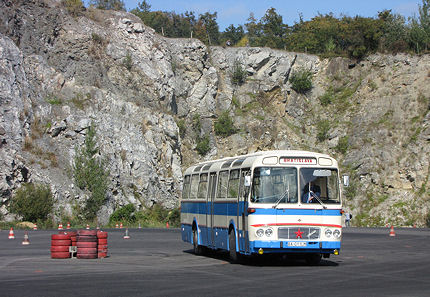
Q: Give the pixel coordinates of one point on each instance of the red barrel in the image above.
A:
(72, 234)
(102, 249)
(60, 244)
(86, 244)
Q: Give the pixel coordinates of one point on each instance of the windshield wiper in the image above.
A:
(318, 199)
(287, 191)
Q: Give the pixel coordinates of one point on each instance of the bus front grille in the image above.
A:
(297, 233)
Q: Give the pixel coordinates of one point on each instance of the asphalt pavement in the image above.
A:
(155, 262)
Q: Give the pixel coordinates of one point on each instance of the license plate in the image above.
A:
(297, 244)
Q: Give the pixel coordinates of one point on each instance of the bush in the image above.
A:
(124, 214)
(301, 80)
(342, 145)
(224, 125)
(74, 7)
(158, 216)
(238, 74)
(203, 146)
(32, 202)
(323, 128)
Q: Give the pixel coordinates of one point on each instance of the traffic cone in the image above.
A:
(68, 225)
(120, 225)
(126, 236)
(167, 225)
(140, 227)
(11, 234)
(392, 231)
(26, 241)
(60, 226)
(117, 226)
(88, 227)
(35, 227)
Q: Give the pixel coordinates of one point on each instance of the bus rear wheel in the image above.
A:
(196, 247)
(234, 256)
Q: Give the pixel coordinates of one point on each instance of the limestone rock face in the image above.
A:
(152, 99)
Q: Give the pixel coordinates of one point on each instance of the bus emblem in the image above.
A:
(299, 233)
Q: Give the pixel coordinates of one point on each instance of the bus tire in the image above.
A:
(313, 259)
(196, 247)
(234, 256)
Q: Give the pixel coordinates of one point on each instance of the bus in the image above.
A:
(281, 202)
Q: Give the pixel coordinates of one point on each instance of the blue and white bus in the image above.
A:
(266, 202)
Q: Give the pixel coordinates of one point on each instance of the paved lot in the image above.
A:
(156, 262)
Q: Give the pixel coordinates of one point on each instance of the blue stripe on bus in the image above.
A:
(230, 209)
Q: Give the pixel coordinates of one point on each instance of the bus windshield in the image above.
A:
(319, 185)
(274, 185)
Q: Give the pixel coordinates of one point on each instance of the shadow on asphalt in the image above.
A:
(268, 260)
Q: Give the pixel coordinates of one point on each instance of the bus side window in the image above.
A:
(194, 186)
(186, 189)
(222, 185)
(243, 191)
(233, 184)
(203, 186)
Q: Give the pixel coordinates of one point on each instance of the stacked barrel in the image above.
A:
(60, 244)
(102, 248)
(87, 244)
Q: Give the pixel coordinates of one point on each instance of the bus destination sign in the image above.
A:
(297, 161)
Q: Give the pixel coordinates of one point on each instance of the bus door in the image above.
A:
(210, 211)
(242, 219)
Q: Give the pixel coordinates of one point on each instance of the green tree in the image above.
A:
(90, 174)
(233, 34)
(273, 29)
(74, 7)
(108, 4)
(253, 30)
(32, 202)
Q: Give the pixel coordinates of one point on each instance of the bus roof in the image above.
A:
(249, 159)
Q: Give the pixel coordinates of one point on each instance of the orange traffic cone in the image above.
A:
(35, 227)
(116, 226)
(392, 231)
(120, 225)
(126, 236)
(167, 225)
(68, 225)
(11, 234)
(60, 226)
(26, 241)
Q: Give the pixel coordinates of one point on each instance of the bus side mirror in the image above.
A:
(345, 179)
(247, 181)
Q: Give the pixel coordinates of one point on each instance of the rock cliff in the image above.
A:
(151, 98)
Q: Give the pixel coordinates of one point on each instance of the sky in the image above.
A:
(237, 11)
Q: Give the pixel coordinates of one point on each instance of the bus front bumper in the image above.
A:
(323, 247)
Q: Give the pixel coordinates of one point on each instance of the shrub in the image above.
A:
(224, 125)
(301, 80)
(238, 74)
(124, 214)
(323, 128)
(182, 127)
(74, 7)
(342, 145)
(203, 146)
(128, 62)
(90, 174)
(32, 202)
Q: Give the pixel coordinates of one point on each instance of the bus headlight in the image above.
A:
(336, 233)
(259, 232)
(328, 233)
(269, 232)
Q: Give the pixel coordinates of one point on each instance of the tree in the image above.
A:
(273, 29)
(108, 4)
(209, 27)
(233, 34)
(253, 30)
(32, 202)
(90, 174)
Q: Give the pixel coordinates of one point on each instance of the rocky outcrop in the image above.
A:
(60, 74)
